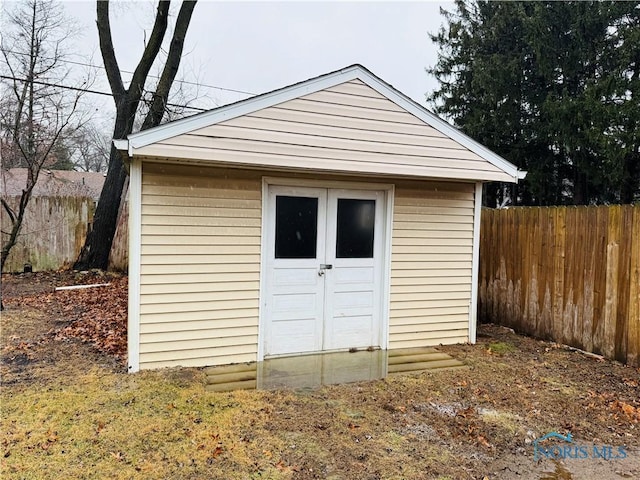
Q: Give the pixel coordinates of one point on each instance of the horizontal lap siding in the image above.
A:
(200, 264)
(348, 128)
(431, 261)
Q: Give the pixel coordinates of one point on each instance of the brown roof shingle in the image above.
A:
(63, 183)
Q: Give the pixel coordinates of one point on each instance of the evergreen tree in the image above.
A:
(547, 85)
(622, 100)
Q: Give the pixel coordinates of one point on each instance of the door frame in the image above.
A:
(387, 188)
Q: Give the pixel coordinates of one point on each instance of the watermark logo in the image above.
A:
(568, 449)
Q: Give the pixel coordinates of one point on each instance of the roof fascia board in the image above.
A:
(122, 145)
(189, 124)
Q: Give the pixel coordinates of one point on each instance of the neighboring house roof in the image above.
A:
(135, 143)
(63, 183)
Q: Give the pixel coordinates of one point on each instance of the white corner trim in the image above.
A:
(263, 270)
(135, 238)
(475, 267)
(386, 267)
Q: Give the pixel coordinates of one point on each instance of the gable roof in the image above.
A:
(355, 72)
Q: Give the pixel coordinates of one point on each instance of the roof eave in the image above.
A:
(202, 158)
(122, 145)
(124, 148)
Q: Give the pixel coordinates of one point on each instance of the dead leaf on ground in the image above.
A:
(483, 441)
(283, 467)
(119, 456)
(630, 411)
(95, 315)
(217, 451)
(466, 412)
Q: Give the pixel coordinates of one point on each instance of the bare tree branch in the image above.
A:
(108, 53)
(171, 65)
(10, 211)
(34, 123)
(150, 53)
(95, 252)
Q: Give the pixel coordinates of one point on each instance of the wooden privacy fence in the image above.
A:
(54, 230)
(119, 255)
(571, 274)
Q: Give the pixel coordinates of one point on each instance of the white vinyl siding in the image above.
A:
(200, 262)
(431, 259)
(346, 128)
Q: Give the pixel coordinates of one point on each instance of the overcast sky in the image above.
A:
(260, 46)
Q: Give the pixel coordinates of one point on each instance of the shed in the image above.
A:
(332, 214)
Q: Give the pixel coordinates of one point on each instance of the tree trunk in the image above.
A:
(579, 194)
(489, 194)
(631, 178)
(97, 246)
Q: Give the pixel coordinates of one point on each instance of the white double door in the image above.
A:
(323, 269)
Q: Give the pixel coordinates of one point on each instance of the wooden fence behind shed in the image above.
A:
(119, 255)
(570, 274)
(52, 232)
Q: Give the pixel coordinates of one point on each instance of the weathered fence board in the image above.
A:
(633, 332)
(571, 274)
(52, 232)
(119, 255)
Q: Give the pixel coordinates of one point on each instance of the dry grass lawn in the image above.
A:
(71, 411)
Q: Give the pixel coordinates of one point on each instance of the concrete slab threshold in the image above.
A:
(311, 371)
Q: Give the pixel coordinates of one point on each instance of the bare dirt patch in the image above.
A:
(69, 410)
(46, 333)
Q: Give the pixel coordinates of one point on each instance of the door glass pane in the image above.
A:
(296, 227)
(356, 220)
